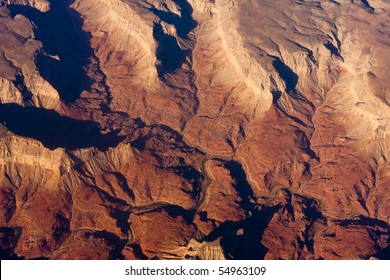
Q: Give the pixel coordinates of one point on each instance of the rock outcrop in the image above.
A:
(20, 81)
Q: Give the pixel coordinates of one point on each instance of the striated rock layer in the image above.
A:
(194, 129)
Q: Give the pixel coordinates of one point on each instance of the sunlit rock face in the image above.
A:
(194, 129)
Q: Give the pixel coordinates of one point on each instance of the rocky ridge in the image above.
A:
(220, 129)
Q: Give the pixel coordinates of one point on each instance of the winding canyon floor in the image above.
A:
(194, 129)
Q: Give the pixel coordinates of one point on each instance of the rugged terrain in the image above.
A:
(194, 129)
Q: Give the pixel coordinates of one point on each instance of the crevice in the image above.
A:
(310, 54)
(184, 24)
(367, 6)
(305, 145)
(333, 50)
(21, 86)
(315, 4)
(360, 198)
(122, 182)
(170, 55)
(335, 2)
(116, 243)
(122, 220)
(285, 73)
(173, 210)
(18, 80)
(363, 221)
(104, 195)
(241, 185)
(192, 176)
(61, 227)
(9, 202)
(313, 214)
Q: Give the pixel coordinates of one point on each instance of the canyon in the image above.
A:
(194, 129)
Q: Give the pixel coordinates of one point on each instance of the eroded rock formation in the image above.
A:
(194, 129)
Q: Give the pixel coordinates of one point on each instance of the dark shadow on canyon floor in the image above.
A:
(54, 130)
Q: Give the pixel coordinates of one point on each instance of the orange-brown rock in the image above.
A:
(160, 234)
(188, 129)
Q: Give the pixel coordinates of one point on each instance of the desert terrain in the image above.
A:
(194, 129)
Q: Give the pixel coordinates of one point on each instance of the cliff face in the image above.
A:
(194, 129)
